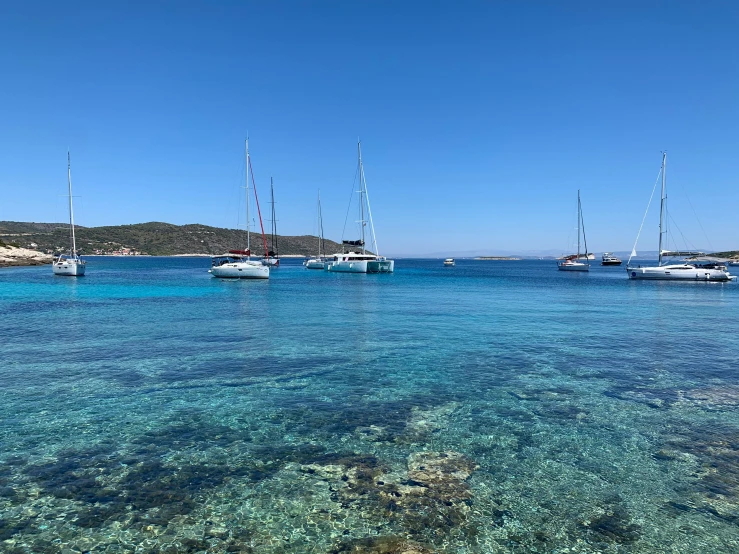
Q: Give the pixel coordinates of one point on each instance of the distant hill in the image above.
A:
(727, 254)
(155, 238)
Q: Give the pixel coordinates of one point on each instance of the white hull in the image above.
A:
(241, 270)
(361, 266)
(69, 268)
(315, 264)
(577, 266)
(678, 273)
(271, 261)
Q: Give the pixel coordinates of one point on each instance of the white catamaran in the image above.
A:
(237, 264)
(672, 272)
(70, 264)
(573, 263)
(318, 262)
(361, 261)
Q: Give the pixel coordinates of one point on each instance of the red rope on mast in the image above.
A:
(264, 239)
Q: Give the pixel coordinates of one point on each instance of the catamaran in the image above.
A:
(273, 256)
(672, 272)
(237, 264)
(359, 260)
(318, 262)
(70, 265)
(573, 263)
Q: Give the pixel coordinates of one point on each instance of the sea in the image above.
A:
(490, 407)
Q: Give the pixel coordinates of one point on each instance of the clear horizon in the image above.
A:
(479, 121)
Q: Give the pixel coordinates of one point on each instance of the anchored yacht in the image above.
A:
(70, 265)
(237, 264)
(573, 263)
(359, 260)
(682, 271)
(610, 259)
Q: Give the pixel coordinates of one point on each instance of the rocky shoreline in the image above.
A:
(11, 256)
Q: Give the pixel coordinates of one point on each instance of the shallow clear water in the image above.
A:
(489, 407)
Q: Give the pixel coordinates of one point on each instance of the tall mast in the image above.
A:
(662, 206)
(361, 192)
(578, 224)
(320, 225)
(274, 219)
(71, 212)
(582, 222)
(248, 245)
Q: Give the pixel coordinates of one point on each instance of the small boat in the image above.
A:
(734, 262)
(610, 259)
(70, 265)
(682, 271)
(361, 261)
(273, 256)
(318, 262)
(237, 264)
(573, 263)
(449, 262)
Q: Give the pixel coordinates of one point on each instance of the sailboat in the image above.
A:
(318, 262)
(361, 261)
(70, 264)
(237, 264)
(672, 272)
(273, 256)
(573, 263)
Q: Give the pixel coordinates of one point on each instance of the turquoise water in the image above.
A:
(489, 407)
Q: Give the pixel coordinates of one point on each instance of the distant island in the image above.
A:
(499, 258)
(153, 239)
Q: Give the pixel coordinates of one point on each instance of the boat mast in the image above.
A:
(248, 245)
(662, 206)
(274, 220)
(578, 224)
(582, 222)
(320, 225)
(71, 212)
(369, 208)
(361, 192)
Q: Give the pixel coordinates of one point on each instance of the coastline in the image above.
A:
(11, 256)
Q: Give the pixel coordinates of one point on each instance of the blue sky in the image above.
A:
(479, 120)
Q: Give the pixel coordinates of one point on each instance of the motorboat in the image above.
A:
(573, 263)
(360, 260)
(610, 259)
(70, 265)
(682, 271)
(449, 262)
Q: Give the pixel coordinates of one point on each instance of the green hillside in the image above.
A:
(155, 238)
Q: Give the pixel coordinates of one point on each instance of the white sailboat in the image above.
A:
(361, 261)
(318, 262)
(237, 264)
(273, 256)
(672, 272)
(70, 265)
(573, 263)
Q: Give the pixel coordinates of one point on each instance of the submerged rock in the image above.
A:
(380, 545)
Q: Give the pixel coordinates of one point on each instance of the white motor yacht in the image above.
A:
(361, 261)
(573, 263)
(610, 259)
(70, 265)
(682, 271)
(449, 262)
